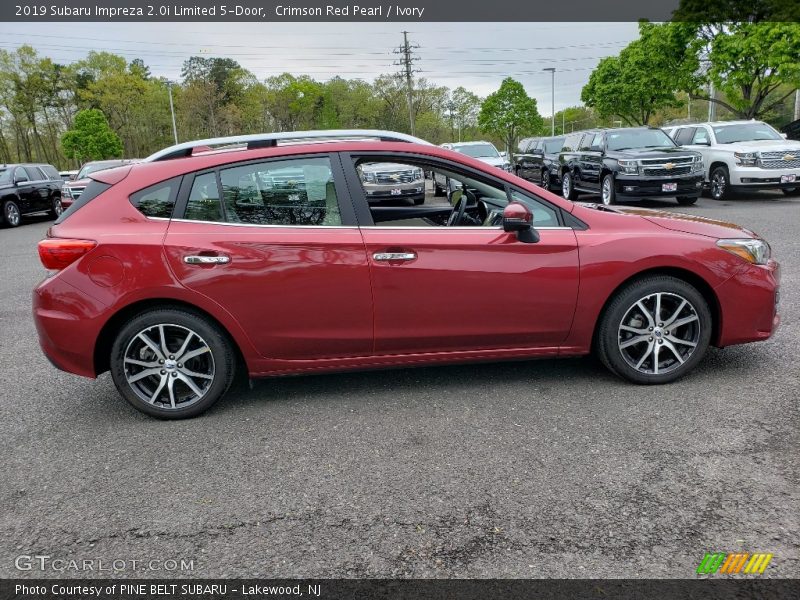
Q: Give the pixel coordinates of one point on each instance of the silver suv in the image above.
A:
(741, 155)
(392, 181)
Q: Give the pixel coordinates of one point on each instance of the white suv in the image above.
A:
(742, 155)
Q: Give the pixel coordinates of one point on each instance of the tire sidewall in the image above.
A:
(612, 196)
(546, 179)
(726, 189)
(612, 318)
(6, 205)
(221, 351)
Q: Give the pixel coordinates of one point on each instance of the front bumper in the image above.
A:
(756, 177)
(749, 304)
(391, 192)
(633, 186)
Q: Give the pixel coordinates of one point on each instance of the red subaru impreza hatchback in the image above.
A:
(263, 253)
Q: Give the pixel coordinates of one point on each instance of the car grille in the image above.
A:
(394, 177)
(657, 167)
(777, 160)
(75, 192)
(288, 183)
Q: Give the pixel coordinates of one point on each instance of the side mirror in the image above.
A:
(705, 142)
(785, 136)
(519, 219)
(73, 176)
(504, 154)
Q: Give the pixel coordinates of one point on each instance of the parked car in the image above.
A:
(483, 151)
(174, 300)
(629, 163)
(743, 155)
(391, 181)
(27, 189)
(73, 188)
(68, 175)
(538, 161)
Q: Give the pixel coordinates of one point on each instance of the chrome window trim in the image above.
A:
(403, 227)
(255, 224)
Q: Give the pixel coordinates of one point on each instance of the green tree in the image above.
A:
(509, 113)
(644, 77)
(464, 106)
(91, 138)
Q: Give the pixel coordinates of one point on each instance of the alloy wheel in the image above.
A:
(546, 180)
(659, 333)
(718, 185)
(566, 185)
(606, 193)
(58, 208)
(12, 215)
(169, 366)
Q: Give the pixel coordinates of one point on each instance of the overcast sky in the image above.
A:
(475, 55)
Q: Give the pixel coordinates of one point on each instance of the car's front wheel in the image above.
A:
(608, 192)
(546, 179)
(172, 363)
(720, 183)
(655, 330)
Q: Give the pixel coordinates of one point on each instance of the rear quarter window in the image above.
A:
(50, 171)
(157, 200)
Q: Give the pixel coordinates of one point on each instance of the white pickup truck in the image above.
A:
(741, 155)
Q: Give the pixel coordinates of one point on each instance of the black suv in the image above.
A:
(27, 189)
(631, 163)
(537, 161)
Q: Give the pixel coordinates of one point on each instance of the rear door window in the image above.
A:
(204, 202)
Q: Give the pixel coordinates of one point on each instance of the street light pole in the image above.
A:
(553, 99)
(172, 112)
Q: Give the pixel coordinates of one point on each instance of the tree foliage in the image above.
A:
(91, 138)
(509, 113)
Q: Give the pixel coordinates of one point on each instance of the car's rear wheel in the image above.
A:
(608, 192)
(172, 363)
(568, 187)
(655, 330)
(11, 213)
(720, 183)
(686, 200)
(57, 208)
(546, 179)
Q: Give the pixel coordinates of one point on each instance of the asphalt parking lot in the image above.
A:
(528, 469)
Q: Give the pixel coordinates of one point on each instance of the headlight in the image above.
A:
(698, 163)
(756, 252)
(368, 177)
(746, 159)
(418, 174)
(507, 167)
(65, 192)
(628, 167)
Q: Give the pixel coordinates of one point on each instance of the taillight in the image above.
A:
(58, 253)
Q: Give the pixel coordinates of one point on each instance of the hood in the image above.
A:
(495, 161)
(689, 223)
(652, 152)
(763, 145)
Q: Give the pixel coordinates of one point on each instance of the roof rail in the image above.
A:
(268, 140)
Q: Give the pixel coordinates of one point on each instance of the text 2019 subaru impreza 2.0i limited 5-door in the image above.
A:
(178, 271)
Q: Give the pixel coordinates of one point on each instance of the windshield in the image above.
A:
(553, 146)
(94, 167)
(638, 138)
(477, 150)
(746, 132)
(5, 176)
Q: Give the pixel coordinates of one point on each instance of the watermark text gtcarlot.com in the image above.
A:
(46, 563)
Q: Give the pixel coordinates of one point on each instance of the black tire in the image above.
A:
(12, 216)
(686, 200)
(608, 192)
(437, 191)
(222, 362)
(546, 179)
(568, 186)
(57, 208)
(624, 304)
(720, 182)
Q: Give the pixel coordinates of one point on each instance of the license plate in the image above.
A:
(396, 192)
(788, 178)
(669, 187)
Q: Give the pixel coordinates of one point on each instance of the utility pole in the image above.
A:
(407, 60)
(553, 99)
(172, 112)
(712, 106)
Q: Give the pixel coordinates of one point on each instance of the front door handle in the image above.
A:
(391, 256)
(207, 260)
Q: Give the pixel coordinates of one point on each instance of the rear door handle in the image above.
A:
(390, 256)
(207, 260)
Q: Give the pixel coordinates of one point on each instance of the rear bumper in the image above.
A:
(638, 187)
(68, 323)
(749, 305)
